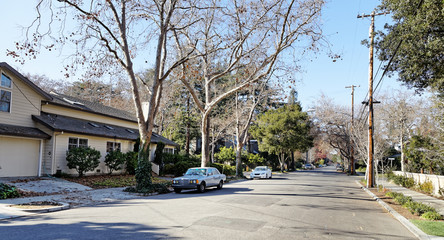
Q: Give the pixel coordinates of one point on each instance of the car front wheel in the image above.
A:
(220, 185)
(201, 187)
(177, 190)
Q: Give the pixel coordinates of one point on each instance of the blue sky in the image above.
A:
(320, 74)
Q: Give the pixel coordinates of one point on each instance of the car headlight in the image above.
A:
(175, 181)
(194, 181)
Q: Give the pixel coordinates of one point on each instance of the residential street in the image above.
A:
(319, 204)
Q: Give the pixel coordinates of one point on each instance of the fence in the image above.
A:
(437, 180)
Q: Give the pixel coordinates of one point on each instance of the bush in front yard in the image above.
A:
(131, 162)
(224, 168)
(8, 191)
(83, 159)
(178, 164)
(114, 160)
(431, 215)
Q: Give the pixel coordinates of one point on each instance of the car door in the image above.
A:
(210, 178)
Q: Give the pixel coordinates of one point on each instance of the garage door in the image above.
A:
(18, 157)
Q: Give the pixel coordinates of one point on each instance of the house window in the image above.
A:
(5, 101)
(5, 96)
(168, 150)
(77, 142)
(6, 81)
(112, 146)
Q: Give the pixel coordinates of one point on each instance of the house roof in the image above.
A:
(20, 131)
(88, 106)
(73, 125)
(26, 81)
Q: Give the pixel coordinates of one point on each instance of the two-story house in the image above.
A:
(37, 128)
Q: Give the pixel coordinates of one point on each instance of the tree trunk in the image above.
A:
(402, 155)
(187, 141)
(292, 167)
(281, 161)
(205, 141)
(239, 147)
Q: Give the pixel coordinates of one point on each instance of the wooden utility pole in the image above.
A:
(352, 158)
(371, 178)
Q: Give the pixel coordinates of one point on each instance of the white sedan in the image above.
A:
(261, 172)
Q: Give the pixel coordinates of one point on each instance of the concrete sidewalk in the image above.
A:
(416, 196)
(66, 193)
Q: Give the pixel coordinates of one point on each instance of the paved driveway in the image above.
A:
(304, 205)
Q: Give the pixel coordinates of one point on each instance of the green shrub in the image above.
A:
(401, 199)
(83, 159)
(178, 164)
(158, 153)
(255, 160)
(426, 187)
(224, 168)
(169, 158)
(131, 162)
(114, 160)
(431, 216)
(298, 164)
(181, 167)
(403, 181)
(8, 191)
(419, 208)
(408, 182)
(393, 194)
(143, 172)
(226, 155)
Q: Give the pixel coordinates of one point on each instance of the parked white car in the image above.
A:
(261, 172)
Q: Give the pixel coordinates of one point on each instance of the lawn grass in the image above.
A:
(435, 228)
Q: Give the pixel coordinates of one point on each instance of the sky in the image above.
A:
(319, 73)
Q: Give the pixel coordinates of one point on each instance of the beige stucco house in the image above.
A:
(37, 128)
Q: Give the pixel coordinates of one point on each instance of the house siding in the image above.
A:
(59, 110)
(24, 102)
(47, 156)
(97, 143)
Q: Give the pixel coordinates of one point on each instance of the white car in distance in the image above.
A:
(261, 172)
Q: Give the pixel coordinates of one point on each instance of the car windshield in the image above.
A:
(260, 169)
(196, 171)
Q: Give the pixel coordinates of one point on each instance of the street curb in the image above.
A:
(63, 206)
(410, 226)
(32, 212)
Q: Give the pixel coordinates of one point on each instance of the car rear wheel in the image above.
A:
(177, 190)
(220, 185)
(271, 175)
(201, 187)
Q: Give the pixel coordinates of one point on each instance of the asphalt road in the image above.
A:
(319, 204)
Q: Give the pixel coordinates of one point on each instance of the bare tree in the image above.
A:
(246, 106)
(246, 36)
(332, 122)
(108, 36)
(400, 111)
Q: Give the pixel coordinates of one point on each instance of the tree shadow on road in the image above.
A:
(77, 230)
